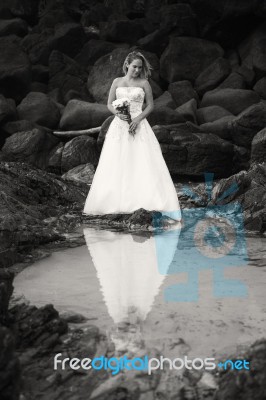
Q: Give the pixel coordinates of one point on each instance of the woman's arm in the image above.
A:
(111, 98)
(148, 109)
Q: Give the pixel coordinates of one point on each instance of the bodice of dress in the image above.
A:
(135, 95)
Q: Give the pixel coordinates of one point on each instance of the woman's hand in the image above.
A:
(134, 124)
(123, 117)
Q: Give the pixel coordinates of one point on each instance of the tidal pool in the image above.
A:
(166, 283)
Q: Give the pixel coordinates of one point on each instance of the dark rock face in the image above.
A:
(233, 100)
(260, 88)
(245, 126)
(15, 26)
(32, 147)
(211, 113)
(258, 147)
(28, 197)
(66, 74)
(123, 31)
(7, 109)
(81, 115)
(213, 75)
(251, 195)
(186, 58)
(182, 92)
(164, 115)
(15, 70)
(220, 127)
(93, 50)
(80, 150)
(40, 109)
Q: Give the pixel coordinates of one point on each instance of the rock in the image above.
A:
(155, 42)
(260, 88)
(250, 386)
(165, 100)
(8, 109)
(82, 115)
(15, 70)
(245, 126)
(105, 70)
(233, 100)
(193, 154)
(93, 50)
(178, 19)
(123, 31)
(182, 92)
(252, 51)
(26, 9)
(213, 75)
(188, 110)
(211, 113)
(32, 147)
(40, 109)
(241, 161)
(220, 127)
(38, 87)
(247, 74)
(258, 147)
(185, 58)
(67, 38)
(233, 81)
(14, 26)
(40, 73)
(9, 366)
(80, 150)
(82, 173)
(55, 158)
(156, 89)
(22, 125)
(66, 75)
(164, 115)
(162, 134)
(6, 290)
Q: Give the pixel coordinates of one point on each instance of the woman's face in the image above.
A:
(134, 68)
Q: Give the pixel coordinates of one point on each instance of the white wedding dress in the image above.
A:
(132, 173)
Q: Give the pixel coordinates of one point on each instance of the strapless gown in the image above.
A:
(132, 173)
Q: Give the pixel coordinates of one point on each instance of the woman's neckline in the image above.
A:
(138, 87)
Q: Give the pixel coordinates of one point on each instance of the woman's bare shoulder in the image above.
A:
(118, 81)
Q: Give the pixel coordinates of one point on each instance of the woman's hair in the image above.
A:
(136, 55)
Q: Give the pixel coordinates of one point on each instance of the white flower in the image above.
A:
(123, 102)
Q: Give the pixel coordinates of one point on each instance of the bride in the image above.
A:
(132, 173)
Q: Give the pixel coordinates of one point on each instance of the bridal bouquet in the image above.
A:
(122, 105)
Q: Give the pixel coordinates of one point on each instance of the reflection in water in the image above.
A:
(130, 277)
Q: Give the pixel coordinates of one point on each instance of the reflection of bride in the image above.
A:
(132, 173)
(131, 270)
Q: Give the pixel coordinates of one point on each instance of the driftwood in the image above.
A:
(91, 131)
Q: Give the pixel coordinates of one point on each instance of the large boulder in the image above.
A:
(245, 126)
(15, 26)
(182, 92)
(15, 70)
(185, 58)
(213, 75)
(260, 88)
(220, 127)
(258, 147)
(188, 110)
(165, 100)
(40, 109)
(211, 113)
(32, 147)
(123, 31)
(66, 74)
(156, 42)
(82, 173)
(67, 38)
(253, 51)
(164, 115)
(193, 154)
(178, 19)
(8, 109)
(233, 81)
(80, 150)
(233, 100)
(82, 115)
(93, 50)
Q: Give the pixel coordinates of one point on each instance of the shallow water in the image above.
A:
(172, 284)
